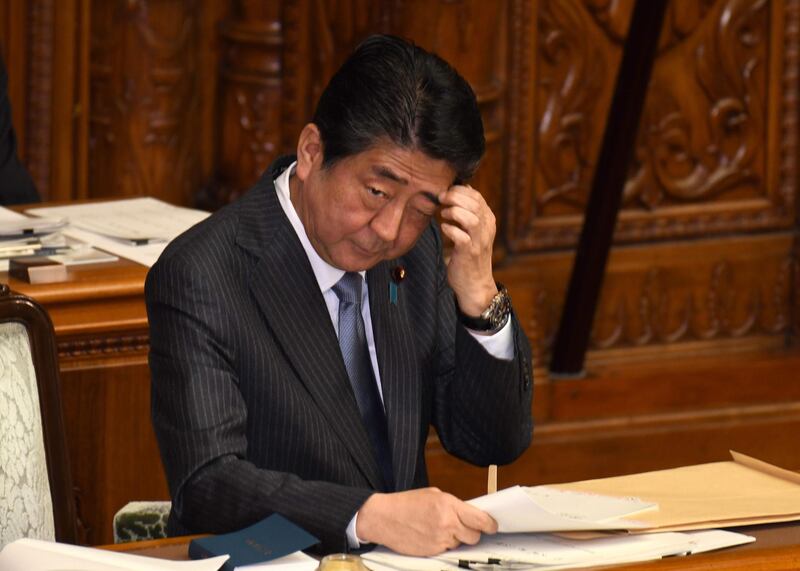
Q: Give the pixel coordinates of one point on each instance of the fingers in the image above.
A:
(469, 523)
(470, 224)
(477, 519)
(466, 525)
(461, 195)
(468, 536)
(458, 236)
(466, 208)
(421, 522)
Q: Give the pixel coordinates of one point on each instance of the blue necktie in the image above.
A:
(353, 342)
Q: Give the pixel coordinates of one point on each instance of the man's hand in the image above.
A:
(470, 224)
(421, 522)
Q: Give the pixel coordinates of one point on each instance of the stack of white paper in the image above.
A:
(136, 228)
(37, 555)
(524, 515)
(545, 551)
(297, 561)
(541, 508)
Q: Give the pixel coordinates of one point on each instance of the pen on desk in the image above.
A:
(140, 241)
(490, 562)
(53, 250)
(491, 483)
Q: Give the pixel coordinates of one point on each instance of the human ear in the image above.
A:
(309, 151)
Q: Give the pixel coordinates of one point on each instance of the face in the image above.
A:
(369, 207)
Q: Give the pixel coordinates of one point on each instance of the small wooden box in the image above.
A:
(37, 270)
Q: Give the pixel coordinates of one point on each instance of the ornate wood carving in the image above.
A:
(790, 95)
(469, 34)
(143, 126)
(109, 345)
(713, 291)
(701, 161)
(250, 98)
(40, 93)
(278, 58)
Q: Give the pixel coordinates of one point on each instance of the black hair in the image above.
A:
(392, 89)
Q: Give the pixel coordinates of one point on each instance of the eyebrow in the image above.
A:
(386, 172)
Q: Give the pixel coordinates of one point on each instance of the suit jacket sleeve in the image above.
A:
(200, 420)
(482, 408)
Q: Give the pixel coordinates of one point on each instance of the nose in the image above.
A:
(386, 222)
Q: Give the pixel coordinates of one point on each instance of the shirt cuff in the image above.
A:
(499, 345)
(352, 539)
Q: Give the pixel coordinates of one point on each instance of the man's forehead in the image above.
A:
(407, 166)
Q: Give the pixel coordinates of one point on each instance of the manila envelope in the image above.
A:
(744, 491)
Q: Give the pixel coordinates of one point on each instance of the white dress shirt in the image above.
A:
(499, 344)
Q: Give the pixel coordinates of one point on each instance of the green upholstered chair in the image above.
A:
(137, 521)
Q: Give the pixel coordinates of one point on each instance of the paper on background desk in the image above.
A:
(69, 252)
(544, 552)
(111, 225)
(12, 224)
(544, 509)
(38, 555)
(7, 215)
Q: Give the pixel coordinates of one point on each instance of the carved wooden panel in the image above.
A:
(40, 101)
(673, 294)
(250, 98)
(716, 149)
(144, 99)
(470, 35)
(278, 57)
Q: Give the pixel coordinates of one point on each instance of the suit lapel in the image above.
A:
(400, 377)
(289, 297)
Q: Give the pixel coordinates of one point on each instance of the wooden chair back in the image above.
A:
(16, 308)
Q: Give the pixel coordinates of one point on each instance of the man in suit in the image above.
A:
(16, 186)
(305, 338)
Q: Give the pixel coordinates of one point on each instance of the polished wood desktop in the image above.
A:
(777, 548)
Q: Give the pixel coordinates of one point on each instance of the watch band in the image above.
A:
(494, 317)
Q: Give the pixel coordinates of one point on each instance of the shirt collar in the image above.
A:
(327, 275)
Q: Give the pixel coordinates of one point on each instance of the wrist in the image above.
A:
(367, 518)
(478, 300)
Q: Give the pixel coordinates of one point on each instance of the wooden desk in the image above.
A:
(777, 548)
(101, 329)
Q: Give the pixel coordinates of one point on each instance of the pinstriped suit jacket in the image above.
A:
(251, 402)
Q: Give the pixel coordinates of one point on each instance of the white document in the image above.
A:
(297, 561)
(544, 509)
(14, 225)
(136, 228)
(38, 555)
(7, 215)
(70, 254)
(545, 551)
(713, 539)
(21, 227)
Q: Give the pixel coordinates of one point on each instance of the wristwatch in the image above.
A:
(494, 317)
